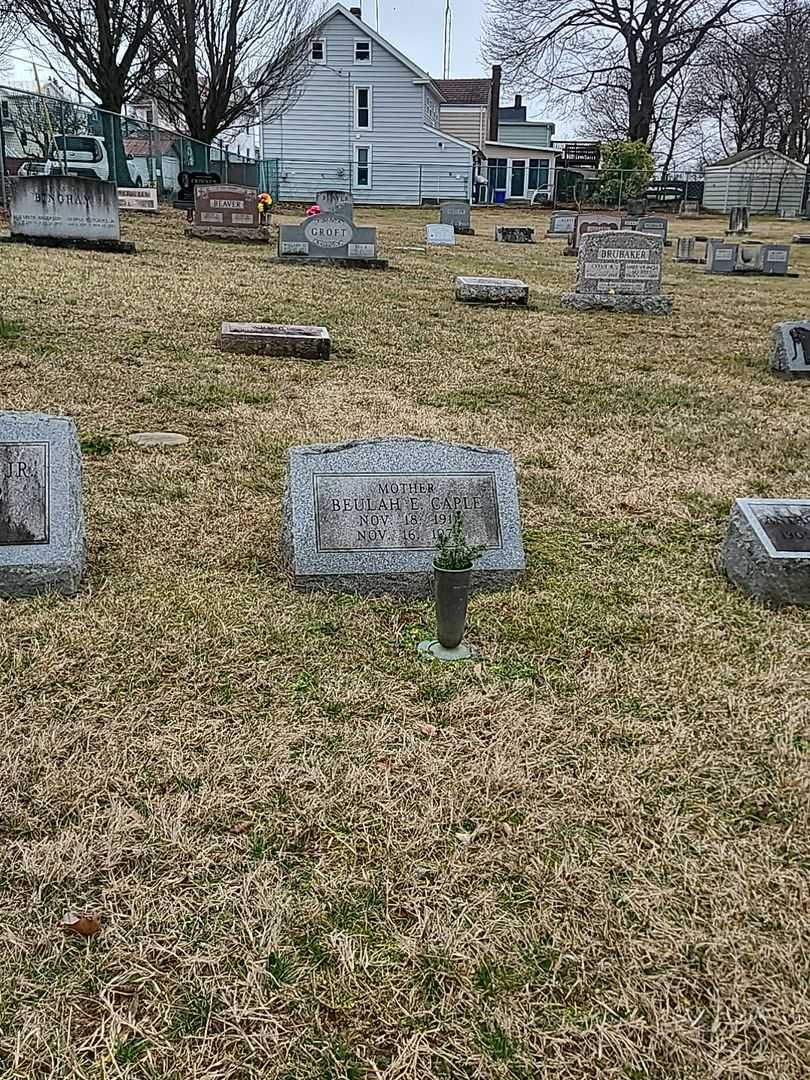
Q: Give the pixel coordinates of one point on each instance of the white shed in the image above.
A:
(762, 179)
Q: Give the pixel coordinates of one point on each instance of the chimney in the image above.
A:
(518, 101)
(357, 12)
(494, 102)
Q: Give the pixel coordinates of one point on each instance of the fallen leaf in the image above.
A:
(429, 730)
(83, 925)
(241, 827)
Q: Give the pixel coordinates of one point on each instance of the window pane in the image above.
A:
(317, 50)
(362, 50)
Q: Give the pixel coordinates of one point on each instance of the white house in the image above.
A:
(365, 119)
(762, 179)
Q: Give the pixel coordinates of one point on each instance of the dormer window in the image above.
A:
(317, 51)
(362, 52)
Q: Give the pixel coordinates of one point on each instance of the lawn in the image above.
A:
(316, 856)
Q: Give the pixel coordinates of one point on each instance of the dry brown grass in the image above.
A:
(316, 856)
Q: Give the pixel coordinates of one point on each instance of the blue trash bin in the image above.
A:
(500, 196)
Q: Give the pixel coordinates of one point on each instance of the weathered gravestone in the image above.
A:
(739, 221)
(690, 208)
(327, 239)
(456, 214)
(338, 203)
(67, 211)
(302, 342)
(227, 212)
(721, 256)
(766, 552)
(788, 215)
(443, 235)
(637, 207)
(619, 271)
(363, 517)
(790, 357)
(562, 224)
(137, 198)
(774, 259)
(593, 221)
(685, 250)
(654, 226)
(482, 290)
(41, 519)
(514, 234)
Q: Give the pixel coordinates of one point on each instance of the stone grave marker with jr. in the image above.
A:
(41, 518)
(562, 224)
(441, 235)
(328, 239)
(227, 212)
(482, 290)
(619, 271)
(593, 221)
(514, 234)
(456, 214)
(363, 517)
(766, 552)
(721, 256)
(790, 357)
(137, 198)
(301, 342)
(67, 211)
(338, 203)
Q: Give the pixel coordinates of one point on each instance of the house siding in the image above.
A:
(535, 135)
(314, 138)
(465, 122)
(765, 184)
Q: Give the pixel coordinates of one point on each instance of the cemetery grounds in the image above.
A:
(315, 855)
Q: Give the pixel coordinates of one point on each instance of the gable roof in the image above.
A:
(465, 91)
(746, 155)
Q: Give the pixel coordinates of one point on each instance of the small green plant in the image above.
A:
(97, 445)
(452, 550)
(9, 329)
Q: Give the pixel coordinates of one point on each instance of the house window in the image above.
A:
(317, 51)
(5, 111)
(496, 174)
(362, 166)
(362, 52)
(538, 174)
(362, 107)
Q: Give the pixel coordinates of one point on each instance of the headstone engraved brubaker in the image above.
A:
(619, 271)
(136, 198)
(562, 224)
(41, 519)
(67, 211)
(440, 235)
(766, 552)
(481, 290)
(790, 357)
(456, 214)
(339, 203)
(329, 239)
(593, 221)
(301, 342)
(363, 517)
(227, 212)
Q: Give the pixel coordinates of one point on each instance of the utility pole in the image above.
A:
(448, 33)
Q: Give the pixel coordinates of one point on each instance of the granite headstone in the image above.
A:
(790, 356)
(441, 235)
(483, 290)
(272, 339)
(619, 271)
(766, 552)
(456, 214)
(329, 239)
(721, 256)
(562, 224)
(144, 199)
(338, 203)
(593, 221)
(363, 517)
(227, 212)
(514, 234)
(41, 518)
(67, 211)
(654, 226)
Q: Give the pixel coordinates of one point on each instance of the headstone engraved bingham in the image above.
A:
(457, 214)
(619, 271)
(766, 552)
(41, 519)
(329, 239)
(227, 212)
(67, 211)
(790, 357)
(363, 517)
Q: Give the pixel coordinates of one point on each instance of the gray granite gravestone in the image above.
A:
(562, 224)
(41, 519)
(441, 235)
(788, 215)
(790, 356)
(654, 226)
(481, 290)
(456, 214)
(363, 517)
(593, 221)
(774, 259)
(269, 339)
(766, 552)
(67, 211)
(721, 256)
(514, 234)
(739, 221)
(338, 203)
(619, 271)
(690, 208)
(329, 239)
(685, 250)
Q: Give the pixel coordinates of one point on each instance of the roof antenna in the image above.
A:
(377, 12)
(448, 30)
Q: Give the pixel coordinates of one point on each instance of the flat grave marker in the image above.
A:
(363, 517)
(136, 198)
(562, 224)
(514, 234)
(766, 552)
(484, 290)
(41, 518)
(619, 271)
(269, 339)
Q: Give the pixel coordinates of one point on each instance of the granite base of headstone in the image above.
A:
(619, 271)
(227, 212)
(42, 545)
(329, 240)
(363, 517)
(456, 214)
(67, 211)
(514, 234)
(790, 354)
(269, 339)
(483, 290)
(766, 552)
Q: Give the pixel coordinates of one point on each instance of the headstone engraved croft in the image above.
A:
(67, 211)
(790, 357)
(766, 553)
(329, 238)
(41, 519)
(227, 212)
(457, 214)
(482, 290)
(363, 517)
(302, 342)
(619, 271)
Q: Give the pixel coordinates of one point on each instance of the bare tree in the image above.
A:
(565, 47)
(216, 57)
(103, 41)
(9, 32)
